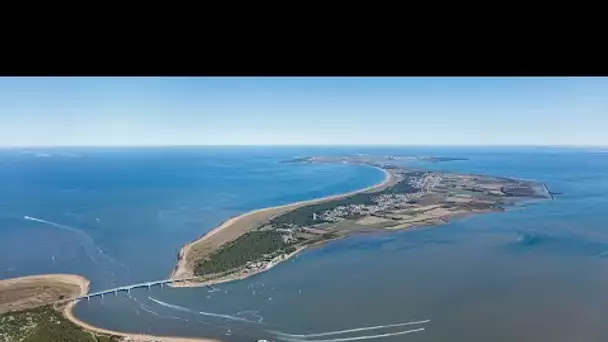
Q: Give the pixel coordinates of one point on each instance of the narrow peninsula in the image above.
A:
(34, 308)
(408, 197)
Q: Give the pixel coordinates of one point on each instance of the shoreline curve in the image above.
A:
(69, 314)
(183, 270)
(181, 267)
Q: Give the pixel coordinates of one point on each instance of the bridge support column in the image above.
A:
(102, 295)
(129, 290)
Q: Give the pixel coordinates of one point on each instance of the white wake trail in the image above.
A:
(203, 313)
(89, 242)
(365, 337)
(149, 310)
(172, 306)
(340, 332)
(87, 239)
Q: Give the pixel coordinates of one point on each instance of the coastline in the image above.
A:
(183, 269)
(240, 224)
(82, 284)
(62, 278)
(68, 313)
(238, 276)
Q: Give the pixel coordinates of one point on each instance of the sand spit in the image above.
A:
(237, 226)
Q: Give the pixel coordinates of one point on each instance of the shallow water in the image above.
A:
(536, 272)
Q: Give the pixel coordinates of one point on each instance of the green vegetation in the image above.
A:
(44, 324)
(252, 246)
(303, 216)
(263, 245)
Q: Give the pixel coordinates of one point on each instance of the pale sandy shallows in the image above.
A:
(235, 226)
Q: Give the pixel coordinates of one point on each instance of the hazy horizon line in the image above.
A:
(303, 145)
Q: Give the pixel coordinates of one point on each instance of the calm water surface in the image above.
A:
(118, 216)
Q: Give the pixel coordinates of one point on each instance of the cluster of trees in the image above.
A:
(252, 246)
(45, 327)
(303, 216)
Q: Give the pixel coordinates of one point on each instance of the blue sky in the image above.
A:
(303, 111)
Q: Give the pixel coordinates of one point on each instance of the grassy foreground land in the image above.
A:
(29, 313)
(45, 324)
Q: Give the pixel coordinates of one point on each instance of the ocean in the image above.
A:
(120, 215)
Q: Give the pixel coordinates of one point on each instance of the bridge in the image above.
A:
(126, 288)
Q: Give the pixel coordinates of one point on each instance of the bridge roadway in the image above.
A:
(127, 288)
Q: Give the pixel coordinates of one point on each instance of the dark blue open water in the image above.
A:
(118, 216)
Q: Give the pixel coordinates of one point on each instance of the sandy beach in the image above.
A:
(32, 291)
(129, 337)
(237, 226)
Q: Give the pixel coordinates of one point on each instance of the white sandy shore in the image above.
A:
(69, 314)
(130, 337)
(67, 279)
(184, 270)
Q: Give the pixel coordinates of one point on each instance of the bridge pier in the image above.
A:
(102, 295)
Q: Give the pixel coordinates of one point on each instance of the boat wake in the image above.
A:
(95, 254)
(341, 332)
(356, 338)
(202, 313)
(307, 337)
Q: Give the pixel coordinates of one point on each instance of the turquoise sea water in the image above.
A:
(119, 216)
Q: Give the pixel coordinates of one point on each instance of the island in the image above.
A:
(39, 308)
(407, 197)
